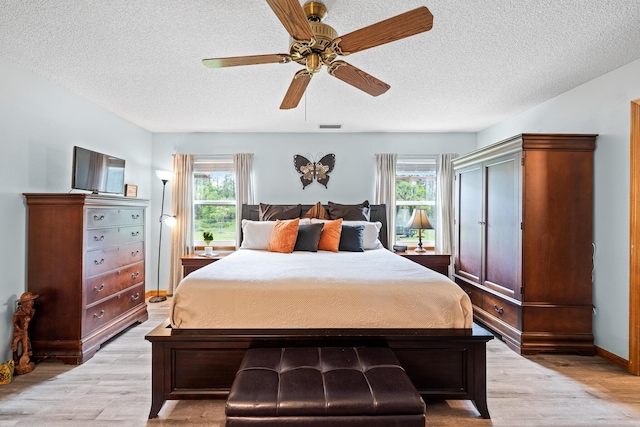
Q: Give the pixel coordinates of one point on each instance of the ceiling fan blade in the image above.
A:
(246, 60)
(404, 25)
(358, 78)
(290, 13)
(296, 90)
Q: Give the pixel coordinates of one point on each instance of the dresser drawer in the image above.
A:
(501, 309)
(100, 261)
(105, 285)
(112, 217)
(103, 237)
(102, 313)
(474, 293)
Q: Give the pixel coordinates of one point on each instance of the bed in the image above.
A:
(372, 302)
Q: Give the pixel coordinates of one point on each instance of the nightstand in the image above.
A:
(433, 260)
(192, 262)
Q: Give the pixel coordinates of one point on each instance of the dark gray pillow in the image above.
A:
(308, 237)
(273, 212)
(349, 212)
(351, 238)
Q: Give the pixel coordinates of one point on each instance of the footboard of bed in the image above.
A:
(202, 363)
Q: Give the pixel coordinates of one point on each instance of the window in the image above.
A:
(415, 187)
(214, 200)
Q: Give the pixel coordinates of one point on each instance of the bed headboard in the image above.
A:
(376, 213)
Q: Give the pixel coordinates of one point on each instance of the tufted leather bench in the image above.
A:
(323, 386)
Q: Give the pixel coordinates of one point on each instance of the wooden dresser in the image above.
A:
(86, 260)
(523, 244)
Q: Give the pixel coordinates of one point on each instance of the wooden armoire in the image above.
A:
(523, 240)
(86, 261)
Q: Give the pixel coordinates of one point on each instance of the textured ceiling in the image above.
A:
(482, 62)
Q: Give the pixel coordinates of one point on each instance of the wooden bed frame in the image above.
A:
(201, 363)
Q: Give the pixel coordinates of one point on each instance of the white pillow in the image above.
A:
(370, 235)
(256, 234)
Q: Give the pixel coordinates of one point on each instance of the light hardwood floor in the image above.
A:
(114, 388)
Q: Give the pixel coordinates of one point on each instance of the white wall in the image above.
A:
(39, 125)
(600, 106)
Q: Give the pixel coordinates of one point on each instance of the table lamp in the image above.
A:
(420, 222)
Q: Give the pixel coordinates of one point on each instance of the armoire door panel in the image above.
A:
(503, 234)
(557, 233)
(469, 236)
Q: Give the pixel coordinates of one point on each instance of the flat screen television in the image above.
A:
(97, 172)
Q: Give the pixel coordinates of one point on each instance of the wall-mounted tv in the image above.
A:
(97, 172)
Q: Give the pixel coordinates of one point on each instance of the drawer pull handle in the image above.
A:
(136, 216)
(100, 289)
(98, 316)
(498, 310)
(98, 218)
(135, 297)
(96, 262)
(98, 239)
(134, 253)
(135, 275)
(135, 233)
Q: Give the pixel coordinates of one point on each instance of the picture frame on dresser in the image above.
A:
(130, 190)
(86, 259)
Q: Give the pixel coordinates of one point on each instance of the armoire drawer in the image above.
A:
(102, 260)
(111, 308)
(503, 310)
(107, 284)
(474, 293)
(104, 237)
(111, 217)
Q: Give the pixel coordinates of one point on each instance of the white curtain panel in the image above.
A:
(182, 208)
(243, 165)
(445, 202)
(386, 191)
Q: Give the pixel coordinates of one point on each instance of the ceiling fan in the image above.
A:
(315, 44)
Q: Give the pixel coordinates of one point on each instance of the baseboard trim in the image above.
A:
(150, 294)
(612, 358)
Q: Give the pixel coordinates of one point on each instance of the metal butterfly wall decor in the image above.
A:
(311, 170)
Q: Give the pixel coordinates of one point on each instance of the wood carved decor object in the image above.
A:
(20, 344)
(316, 44)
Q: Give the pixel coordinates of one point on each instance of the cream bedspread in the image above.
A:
(371, 289)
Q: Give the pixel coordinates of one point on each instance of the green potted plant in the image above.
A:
(207, 236)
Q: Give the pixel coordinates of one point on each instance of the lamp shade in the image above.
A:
(419, 220)
(164, 175)
(170, 220)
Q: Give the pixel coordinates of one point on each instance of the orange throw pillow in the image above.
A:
(284, 236)
(317, 211)
(330, 237)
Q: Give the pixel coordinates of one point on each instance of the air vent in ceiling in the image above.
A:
(330, 126)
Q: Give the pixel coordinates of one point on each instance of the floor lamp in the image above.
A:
(170, 220)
